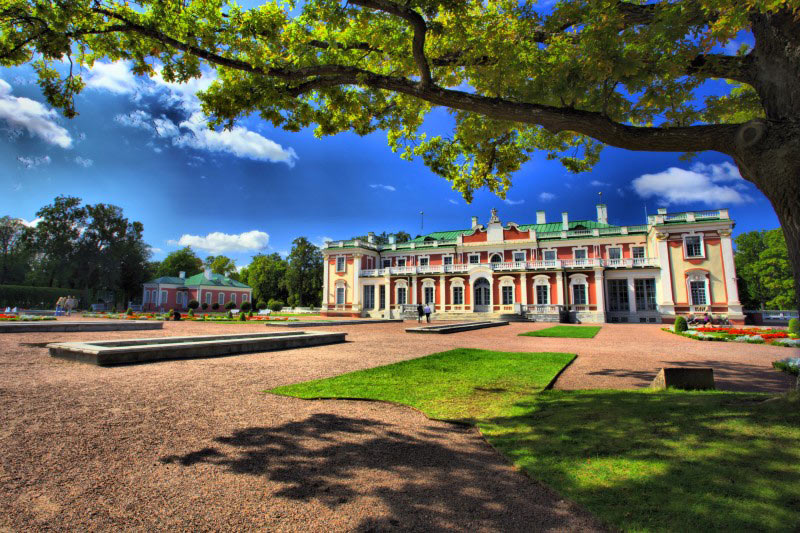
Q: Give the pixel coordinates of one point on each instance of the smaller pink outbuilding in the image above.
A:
(167, 292)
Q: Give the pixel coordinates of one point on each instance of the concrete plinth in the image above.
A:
(63, 326)
(317, 323)
(456, 328)
(684, 378)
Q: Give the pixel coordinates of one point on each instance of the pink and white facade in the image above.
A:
(165, 293)
(583, 270)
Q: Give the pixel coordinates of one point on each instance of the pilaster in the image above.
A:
(560, 287)
(414, 290)
(356, 285)
(441, 293)
(524, 283)
(734, 305)
(600, 291)
(666, 303)
(325, 283)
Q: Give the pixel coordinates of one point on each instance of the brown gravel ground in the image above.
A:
(197, 445)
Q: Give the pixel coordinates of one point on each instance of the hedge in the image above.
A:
(27, 297)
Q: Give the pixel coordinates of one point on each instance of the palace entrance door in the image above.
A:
(481, 296)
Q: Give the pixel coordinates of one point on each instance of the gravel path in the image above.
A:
(197, 445)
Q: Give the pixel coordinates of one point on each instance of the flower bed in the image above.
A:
(777, 337)
(790, 365)
(185, 316)
(24, 318)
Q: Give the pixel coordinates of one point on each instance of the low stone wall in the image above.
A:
(63, 326)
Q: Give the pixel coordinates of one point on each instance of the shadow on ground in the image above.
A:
(423, 481)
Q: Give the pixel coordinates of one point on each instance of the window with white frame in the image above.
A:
(615, 252)
(693, 245)
(424, 261)
(549, 255)
(387, 263)
(428, 294)
(244, 297)
(645, 290)
(163, 297)
(496, 258)
(579, 294)
(146, 297)
(519, 257)
(221, 298)
(698, 291)
(542, 290)
(401, 261)
(579, 253)
(369, 296)
(637, 252)
(458, 295)
(340, 295)
(474, 259)
(233, 297)
(618, 295)
(208, 298)
(447, 260)
(340, 264)
(507, 294)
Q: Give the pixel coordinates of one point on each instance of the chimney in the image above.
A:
(564, 221)
(540, 217)
(182, 274)
(602, 213)
(662, 210)
(371, 237)
(392, 238)
(207, 273)
(474, 222)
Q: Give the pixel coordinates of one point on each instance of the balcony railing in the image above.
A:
(515, 266)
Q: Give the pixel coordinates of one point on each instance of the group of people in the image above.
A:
(426, 310)
(66, 304)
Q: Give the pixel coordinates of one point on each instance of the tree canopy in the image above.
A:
(266, 275)
(304, 274)
(762, 263)
(182, 260)
(517, 79)
(220, 264)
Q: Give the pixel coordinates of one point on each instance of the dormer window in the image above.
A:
(693, 246)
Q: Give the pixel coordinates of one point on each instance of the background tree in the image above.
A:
(581, 75)
(183, 260)
(383, 238)
(762, 263)
(56, 239)
(304, 275)
(220, 264)
(266, 276)
(13, 258)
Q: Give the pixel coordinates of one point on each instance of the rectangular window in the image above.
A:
(424, 261)
(401, 262)
(615, 253)
(618, 295)
(244, 298)
(401, 295)
(382, 296)
(694, 246)
(474, 259)
(580, 253)
(340, 264)
(458, 295)
(233, 297)
(549, 255)
(428, 295)
(542, 294)
(208, 298)
(637, 252)
(698, 289)
(448, 260)
(387, 263)
(508, 295)
(163, 297)
(221, 299)
(645, 294)
(369, 296)
(519, 257)
(579, 294)
(339, 295)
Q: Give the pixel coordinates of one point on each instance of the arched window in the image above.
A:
(578, 288)
(697, 287)
(541, 288)
(457, 291)
(496, 258)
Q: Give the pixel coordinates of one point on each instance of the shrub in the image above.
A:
(245, 306)
(229, 314)
(215, 306)
(275, 305)
(194, 304)
(794, 326)
(190, 314)
(261, 305)
(242, 317)
(129, 312)
(230, 305)
(176, 315)
(204, 305)
(170, 312)
(680, 324)
(250, 314)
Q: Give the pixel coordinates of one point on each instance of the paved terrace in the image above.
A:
(195, 444)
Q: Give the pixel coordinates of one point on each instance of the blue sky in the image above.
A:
(141, 144)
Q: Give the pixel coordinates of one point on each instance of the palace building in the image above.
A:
(575, 270)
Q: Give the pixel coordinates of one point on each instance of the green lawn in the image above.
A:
(461, 384)
(570, 332)
(641, 460)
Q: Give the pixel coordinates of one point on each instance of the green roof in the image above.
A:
(217, 280)
(573, 224)
(442, 235)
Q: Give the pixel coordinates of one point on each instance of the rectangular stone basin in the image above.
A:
(455, 328)
(122, 351)
(64, 326)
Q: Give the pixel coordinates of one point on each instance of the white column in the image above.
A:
(631, 295)
(441, 294)
(325, 294)
(600, 291)
(414, 290)
(667, 303)
(388, 293)
(734, 305)
(524, 282)
(356, 286)
(560, 285)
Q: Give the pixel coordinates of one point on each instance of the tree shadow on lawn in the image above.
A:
(672, 461)
(425, 481)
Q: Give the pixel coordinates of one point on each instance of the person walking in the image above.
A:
(420, 312)
(428, 313)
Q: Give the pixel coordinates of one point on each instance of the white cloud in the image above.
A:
(185, 94)
(114, 77)
(156, 250)
(238, 141)
(389, 188)
(24, 113)
(165, 127)
(598, 183)
(321, 240)
(708, 184)
(546, 196)
(84, 162)
(218, 242)
(135, 119)
(620, 191)
(32, 223)
(452, 201)
(33, 162)
(509, 201)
